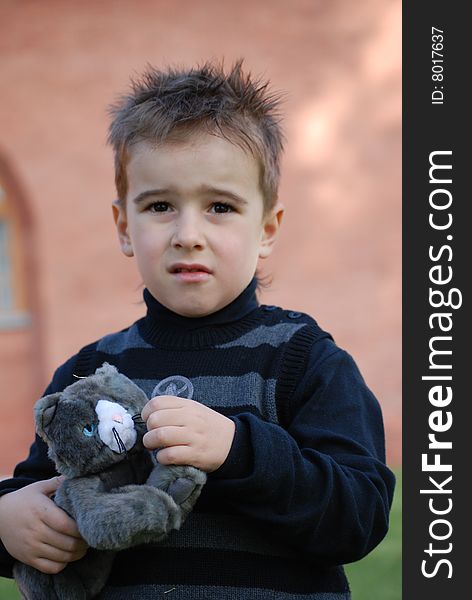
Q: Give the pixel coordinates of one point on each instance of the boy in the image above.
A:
(280, 418)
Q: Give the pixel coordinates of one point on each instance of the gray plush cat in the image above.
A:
(114, 489)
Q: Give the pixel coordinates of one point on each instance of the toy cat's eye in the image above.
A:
(89, 429)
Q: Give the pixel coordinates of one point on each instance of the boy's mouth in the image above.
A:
(183, 268)
(191, 273)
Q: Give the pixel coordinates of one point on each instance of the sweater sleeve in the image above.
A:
(37, 466)
(321, 483)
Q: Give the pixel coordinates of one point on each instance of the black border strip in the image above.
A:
(442, 128)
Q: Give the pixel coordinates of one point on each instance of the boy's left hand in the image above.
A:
(187, 433)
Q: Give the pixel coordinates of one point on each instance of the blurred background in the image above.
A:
(63, 279)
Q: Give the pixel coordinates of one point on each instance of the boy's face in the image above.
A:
(194, 221)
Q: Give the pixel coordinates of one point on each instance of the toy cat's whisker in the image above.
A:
(119, 441)
(137, 419)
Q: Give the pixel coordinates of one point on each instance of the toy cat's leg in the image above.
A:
(183, 483)
(120, 518)
(89, 575)
(80, 580)
(33, 584)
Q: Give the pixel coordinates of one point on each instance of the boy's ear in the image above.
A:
(270, 230)
(121, 222)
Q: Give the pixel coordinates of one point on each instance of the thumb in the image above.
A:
(49, 486)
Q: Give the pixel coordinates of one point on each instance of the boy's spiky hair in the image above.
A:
(173, 103)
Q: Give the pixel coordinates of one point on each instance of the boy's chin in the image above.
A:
(194, 312)
(195, 309)
(190, 308)
(197, 301)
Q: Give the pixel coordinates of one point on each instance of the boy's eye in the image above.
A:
(221, 207)
(89, 429)
(158, 207)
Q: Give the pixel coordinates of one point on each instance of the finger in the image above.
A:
(176, 455)
(167, 417)
(49, 486)
(161, 402)
(54, 554)
(78, 554)
(48, 566)
(163, 437)
(65, 543)
(58, 520)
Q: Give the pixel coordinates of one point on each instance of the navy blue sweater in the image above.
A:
(304, 488)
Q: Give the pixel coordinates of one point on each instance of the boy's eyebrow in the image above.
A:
(210, 189)
(143, 195)
(203, 189)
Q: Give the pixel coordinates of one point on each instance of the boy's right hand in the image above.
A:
(36, 531)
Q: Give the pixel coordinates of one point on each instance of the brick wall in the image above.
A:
(338, 256)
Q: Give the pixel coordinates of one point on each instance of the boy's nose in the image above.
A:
(188, 233)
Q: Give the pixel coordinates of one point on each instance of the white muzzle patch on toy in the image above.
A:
(115, 426)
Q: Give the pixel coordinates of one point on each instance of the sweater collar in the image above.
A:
(164, 327)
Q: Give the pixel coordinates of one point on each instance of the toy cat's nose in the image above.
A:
(117, 418)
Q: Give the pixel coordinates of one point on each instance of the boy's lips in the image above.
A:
(190, 272)
(184, 267)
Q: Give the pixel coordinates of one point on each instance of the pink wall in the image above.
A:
(339, 252)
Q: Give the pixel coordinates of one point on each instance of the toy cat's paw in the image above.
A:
(183, 483)
(127, 516)
(181, 489)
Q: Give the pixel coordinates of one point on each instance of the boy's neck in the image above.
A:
(235, 310)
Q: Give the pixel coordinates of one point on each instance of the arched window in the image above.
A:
(14, 310)
(22, 373)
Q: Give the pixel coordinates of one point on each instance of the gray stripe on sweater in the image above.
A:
(116, 343)
(209, 592)
(274, 335)
(264, 334)
(246, 390)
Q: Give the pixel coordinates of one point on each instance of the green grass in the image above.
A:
(376, 577)
(8, 590)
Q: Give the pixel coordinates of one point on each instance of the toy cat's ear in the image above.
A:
(118, 387)
(44, 411)
(107, 369)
